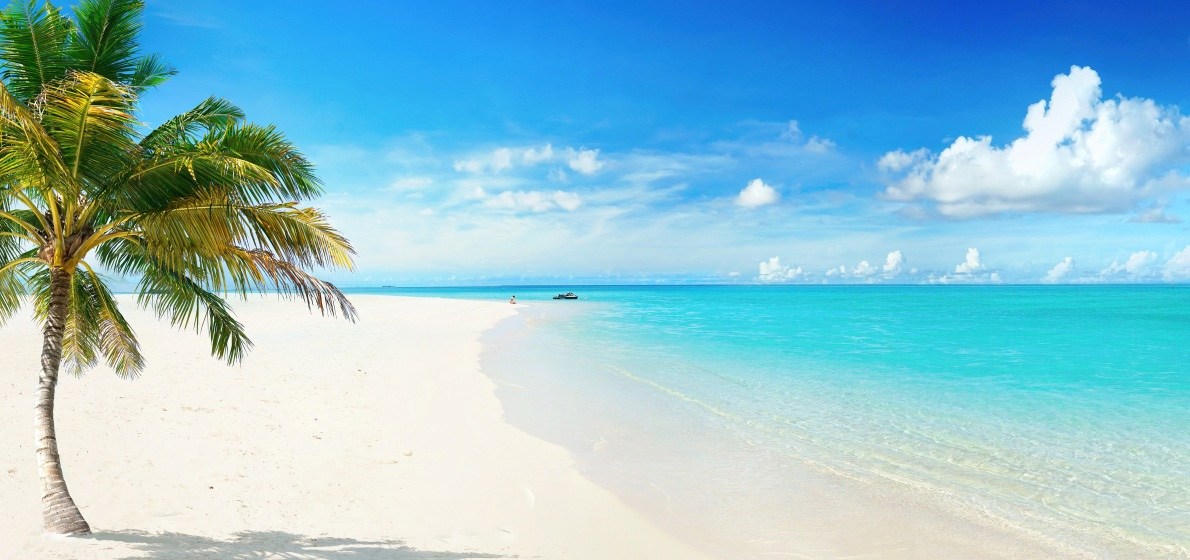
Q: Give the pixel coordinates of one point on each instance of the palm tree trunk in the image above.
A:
(59, 514)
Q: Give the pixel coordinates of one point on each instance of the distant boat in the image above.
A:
(567, 295)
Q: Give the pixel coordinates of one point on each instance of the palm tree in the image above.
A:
(204, 204)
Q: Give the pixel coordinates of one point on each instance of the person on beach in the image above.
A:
(512, 300)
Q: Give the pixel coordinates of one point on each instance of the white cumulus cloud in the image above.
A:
(1139, 265)
(893, 263)
(1178, 266)
(1080, 153)
(584, 161)
(971, 271)
(534, 156)
(971, 264)
(863, 269)
(898, 160)
(772, 271)
(757, 194)
(1059, 271)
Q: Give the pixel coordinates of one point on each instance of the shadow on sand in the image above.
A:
(272, 545)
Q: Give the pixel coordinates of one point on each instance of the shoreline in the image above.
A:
(381, 438)
(396, 463)
(679, 462)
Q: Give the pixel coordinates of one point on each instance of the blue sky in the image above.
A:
(517, 142)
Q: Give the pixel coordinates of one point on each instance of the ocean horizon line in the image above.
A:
(769, 285)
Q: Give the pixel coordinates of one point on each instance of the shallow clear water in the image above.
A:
(1061, 411)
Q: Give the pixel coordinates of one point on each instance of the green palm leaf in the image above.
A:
(251, 164)
(33, 43)
(151, 71)
(105, 44)
(15, 271)
(94, 325)
(292, 175)
(210, 221)
(90, 118)
(212, 114)
(266, 271)
(105, 41)
(80, 344)
(29, 155)
(11, 290)
(117, 343)
(9, 242)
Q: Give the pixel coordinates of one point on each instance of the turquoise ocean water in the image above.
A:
(1062, 413)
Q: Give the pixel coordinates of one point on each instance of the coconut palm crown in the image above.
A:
(202, 205)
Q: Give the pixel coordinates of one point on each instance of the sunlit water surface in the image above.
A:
(1061, 412)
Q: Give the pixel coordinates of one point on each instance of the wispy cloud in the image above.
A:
(534, 201)
(426, 208)
(1059, 271)
(181, 17)
(1155, 215)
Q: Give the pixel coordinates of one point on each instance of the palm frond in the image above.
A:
(210, 221)
(175, 296)
(132, 256)
(15, 273)
(213, 113)
(37, 285)
(10, 244)
(191, 227)
(299, 235)
(151, 71)
(90, 117)
(11, 289)
(186, 304)
(206, 149)
(80, 340)
(13, 161)
(122, 257)
(94, 326)
(115, 338)
(14, 233)
(171, 178)
(105, 38)
(31, 216)
(266, 148)
(32, 46)
(80, 330)
(28, 166)
(29, 155)
(262, 269)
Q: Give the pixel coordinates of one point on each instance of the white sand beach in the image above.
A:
(380, 439)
